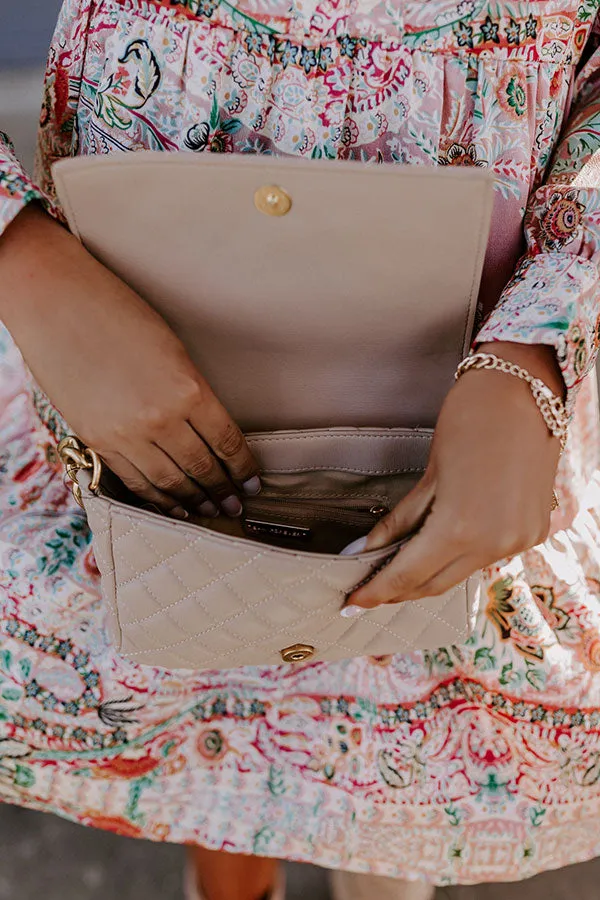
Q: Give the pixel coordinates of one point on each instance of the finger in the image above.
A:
(448, 577)
(138, 484)
(415, 564)
(166, 476)
(214, 424)
(406, 517)
(189, 452)
(192, 456)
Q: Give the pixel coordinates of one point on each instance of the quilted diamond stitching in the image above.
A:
(284, 631)
(222, 624)
(196, 638)
(191, 593)
(307, 617)
(437, 614)
(399, 615)
(197, 594)
(277, 589)
(199, 638)
(190, 644)
(162, 560)
(431, 613)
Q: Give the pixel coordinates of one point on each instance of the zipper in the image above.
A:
(330, 523)
(333, 511)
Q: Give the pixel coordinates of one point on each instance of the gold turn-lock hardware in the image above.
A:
(297, 653)
(272, 200)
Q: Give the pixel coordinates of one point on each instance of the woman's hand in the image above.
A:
(487, 491)
(118, 374)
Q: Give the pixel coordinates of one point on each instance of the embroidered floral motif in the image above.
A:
(489, 30)
(513, 32)
(516, 96)
(130, 86)
(531, 27)
(211, 745)
(590, 651)
(214, 135)
(464, 35)
(458, 155)
(579, 348)
(562, 220)
(556, 617)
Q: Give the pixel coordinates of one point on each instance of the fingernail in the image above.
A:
(208, 510)
(252, 487)
(178, 512)
(351, 612)
(232, 506)
(354, 548)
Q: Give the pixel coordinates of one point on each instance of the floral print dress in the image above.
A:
(463, 764)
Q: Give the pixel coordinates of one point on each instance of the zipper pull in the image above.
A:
(379, 511)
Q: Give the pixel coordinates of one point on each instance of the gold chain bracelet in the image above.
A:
(551, 407)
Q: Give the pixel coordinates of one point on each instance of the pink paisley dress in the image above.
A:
(463, 764)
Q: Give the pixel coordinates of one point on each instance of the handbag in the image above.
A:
(327, 304)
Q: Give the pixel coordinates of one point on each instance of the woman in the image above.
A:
(467, 764)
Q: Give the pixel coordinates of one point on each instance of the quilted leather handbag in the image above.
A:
(326, 304)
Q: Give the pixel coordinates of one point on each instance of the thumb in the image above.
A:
(406, 518)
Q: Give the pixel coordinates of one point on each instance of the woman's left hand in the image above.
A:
(487, 491)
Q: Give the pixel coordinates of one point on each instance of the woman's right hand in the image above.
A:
(120, 377)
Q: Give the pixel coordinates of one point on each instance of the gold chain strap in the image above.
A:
(75, 457)
(550, 406)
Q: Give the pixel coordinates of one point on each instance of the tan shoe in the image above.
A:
(352, 886)
(191, 890)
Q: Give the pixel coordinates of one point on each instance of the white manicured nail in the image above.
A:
(252, 487)
(208, 510)
(351, 612)
(355, 547)
(232, 506)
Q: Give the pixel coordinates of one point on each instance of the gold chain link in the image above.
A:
(550, 406)
(76, 457)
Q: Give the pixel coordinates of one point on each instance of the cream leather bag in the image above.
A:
(328, 305)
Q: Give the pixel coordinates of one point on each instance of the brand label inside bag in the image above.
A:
(277, 530)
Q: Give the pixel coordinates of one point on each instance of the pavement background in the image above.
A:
(46, 858)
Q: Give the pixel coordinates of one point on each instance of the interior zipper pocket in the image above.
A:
(323, 525)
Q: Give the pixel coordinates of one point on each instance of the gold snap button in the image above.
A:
(272, 200)
(297, 653)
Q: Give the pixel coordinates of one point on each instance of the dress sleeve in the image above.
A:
(16, 188)
(554, 296)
